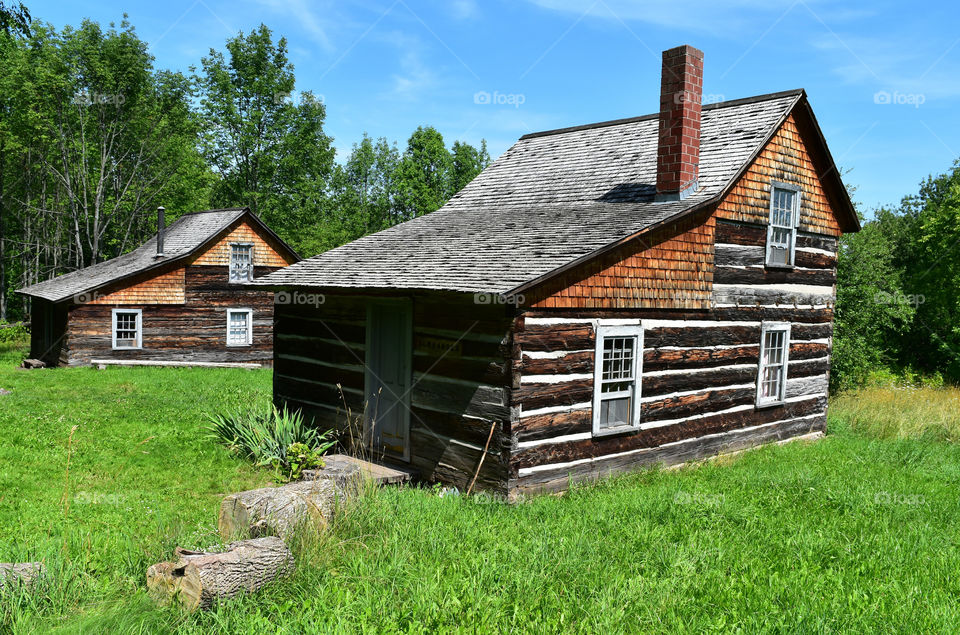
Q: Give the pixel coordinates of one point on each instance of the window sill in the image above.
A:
(239, 345)
(770, 404)
(127, 348)
(607, 432)
(773, 266)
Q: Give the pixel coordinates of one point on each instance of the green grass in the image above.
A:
(856, 532)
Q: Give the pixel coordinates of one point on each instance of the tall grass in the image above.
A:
(901, 412)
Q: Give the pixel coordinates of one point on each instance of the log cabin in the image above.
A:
(183, 297)
(651, 290)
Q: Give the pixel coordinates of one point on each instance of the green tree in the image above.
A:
(268, 148)
(931, 233)
(468, 162)
(873, 311)
(424, 180)
(14, 18)
(92, 139)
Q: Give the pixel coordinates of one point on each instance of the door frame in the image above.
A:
(404, 305)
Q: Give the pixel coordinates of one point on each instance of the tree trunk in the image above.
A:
(198, 579)
(279, 511)
(25, 573)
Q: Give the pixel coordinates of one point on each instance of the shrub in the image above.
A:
(275, 438)
(16, 332)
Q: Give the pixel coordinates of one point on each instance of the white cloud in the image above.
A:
(305, 15)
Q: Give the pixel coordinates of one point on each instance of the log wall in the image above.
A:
(460, 385)
(195, 330)
(699, 369)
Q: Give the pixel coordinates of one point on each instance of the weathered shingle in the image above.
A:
(181, 238)
(551, 199)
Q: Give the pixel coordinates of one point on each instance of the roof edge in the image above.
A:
(617, 122)
(158, 264)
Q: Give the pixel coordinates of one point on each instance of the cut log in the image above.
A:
(279, 511)
(199, 579)
(33, 363)
(20, 573)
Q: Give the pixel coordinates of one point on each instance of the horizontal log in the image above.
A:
(474, 400)
(445, 460)
(711, 378)
(559, 478)
(565, 393)
(696, 358)
(761, 275)
(742, 234)
(686, 336)
(560, 337)
(198, 580)
(569, 363)
(195, 364)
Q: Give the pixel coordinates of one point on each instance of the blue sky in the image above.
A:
(883, 77)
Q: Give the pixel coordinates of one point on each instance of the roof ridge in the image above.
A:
(616, 122)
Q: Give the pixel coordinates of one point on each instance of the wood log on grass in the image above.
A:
(199, 579)
(20, 573)
(279, 511)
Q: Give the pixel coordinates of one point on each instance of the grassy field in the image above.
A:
(857, 532)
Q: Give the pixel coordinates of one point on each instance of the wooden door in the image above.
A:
(388, 377)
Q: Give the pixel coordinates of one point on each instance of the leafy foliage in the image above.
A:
(898, 289)
(14, 332)
(275, 438)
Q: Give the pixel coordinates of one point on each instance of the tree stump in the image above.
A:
(199, 579)
(23, 573)
(279, 511)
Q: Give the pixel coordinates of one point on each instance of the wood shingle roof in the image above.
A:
(553, 198)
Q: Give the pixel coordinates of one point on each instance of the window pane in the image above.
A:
(241, 262)
(125, 330)
(773, 371)
(618, 357)
(238, 328)
(783, 202)
(615, 412)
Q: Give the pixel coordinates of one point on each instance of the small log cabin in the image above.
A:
(182, 297)
(648, 290)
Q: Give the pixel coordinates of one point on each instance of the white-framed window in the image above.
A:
(241, 262)
(774, 353)
(616, 379)
(127, 328)
(239, 327)
(784, 220)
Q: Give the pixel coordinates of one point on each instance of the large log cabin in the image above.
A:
(183, 297)
(648, 290)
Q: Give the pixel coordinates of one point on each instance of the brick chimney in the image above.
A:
(678, 146)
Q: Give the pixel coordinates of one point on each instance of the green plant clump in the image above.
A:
(276, 438)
